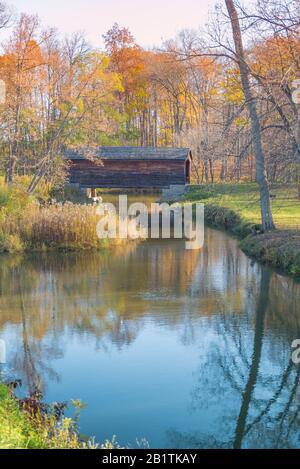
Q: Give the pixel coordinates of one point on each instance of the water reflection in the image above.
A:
(184, 348)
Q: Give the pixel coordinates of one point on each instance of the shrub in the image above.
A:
(11, 243)
(225, 218)
(281, 249)
(28, 430)
(14, 200)
(4, 197)
(42, 192)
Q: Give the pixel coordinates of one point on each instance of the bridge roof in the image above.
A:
(127, 153)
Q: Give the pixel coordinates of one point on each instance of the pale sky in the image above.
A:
(150, 21)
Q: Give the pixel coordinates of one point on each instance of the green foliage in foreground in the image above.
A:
(19, 430)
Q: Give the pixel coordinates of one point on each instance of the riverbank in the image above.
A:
(235, 208)
(27, 427)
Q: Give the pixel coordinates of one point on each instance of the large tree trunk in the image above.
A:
(256, 357)
(261, 175)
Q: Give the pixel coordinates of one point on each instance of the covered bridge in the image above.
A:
(128, 167)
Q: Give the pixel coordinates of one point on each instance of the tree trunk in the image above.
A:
(261, 175)
(10, 169)
(256, 357)
(223, 169)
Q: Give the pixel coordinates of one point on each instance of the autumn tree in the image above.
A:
(85, 89)
(58, 93)
(18, 66)
(230, 101)
(275, 66)
(128, 61)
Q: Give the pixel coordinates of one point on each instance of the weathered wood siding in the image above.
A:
(127, 174)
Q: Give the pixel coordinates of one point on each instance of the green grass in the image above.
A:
(18, 430)
(244, 199)
(235, 207)
(15, 429)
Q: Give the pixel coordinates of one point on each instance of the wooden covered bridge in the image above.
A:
(128, 167)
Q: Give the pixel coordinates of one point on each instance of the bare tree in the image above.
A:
(261, 175)
(6, 15)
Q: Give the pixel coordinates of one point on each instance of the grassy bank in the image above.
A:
(243, 199)
(25, 430)
(236, 209)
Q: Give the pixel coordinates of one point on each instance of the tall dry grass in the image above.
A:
(27, 222)
(31, 226)
(67, 225)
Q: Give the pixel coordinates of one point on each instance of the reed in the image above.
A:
(67, 225)
(26, 224)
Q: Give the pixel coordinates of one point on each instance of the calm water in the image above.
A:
(182, 348)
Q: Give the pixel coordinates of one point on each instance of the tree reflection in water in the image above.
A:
(260, 403)
(245, 392)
